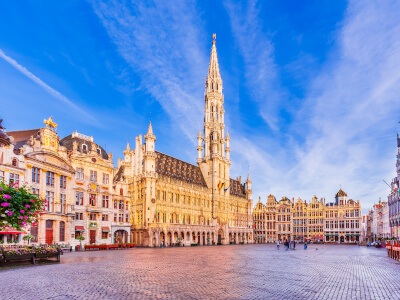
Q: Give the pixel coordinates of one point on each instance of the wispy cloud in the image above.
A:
(56, 94)
(353, 105)
(344, 132)
(163, 44)
(258, 56)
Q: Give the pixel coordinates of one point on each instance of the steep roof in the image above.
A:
(22, 136)
(119, 174)
(237, 189)
(172, 167)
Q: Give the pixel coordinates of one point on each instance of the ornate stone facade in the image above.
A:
(101, 205)
(315, 221)
(45, 168)
(175, 202)
(76, 177)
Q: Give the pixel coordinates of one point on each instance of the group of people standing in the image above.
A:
(289, 244)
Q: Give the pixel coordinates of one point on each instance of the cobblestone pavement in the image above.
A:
(217, 272)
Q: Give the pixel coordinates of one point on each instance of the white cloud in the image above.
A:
(349, 116)
(162, 43)
(353, 106)
(47, 88)
(258, 56)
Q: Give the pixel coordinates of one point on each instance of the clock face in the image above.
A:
(93, 159)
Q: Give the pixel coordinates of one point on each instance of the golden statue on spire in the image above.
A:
(214, 36)
(50, 123)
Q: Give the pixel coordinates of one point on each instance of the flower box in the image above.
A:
(112, 247)
(47, 253)
(15, 255)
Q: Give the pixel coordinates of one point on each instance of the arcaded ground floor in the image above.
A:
(256, 271)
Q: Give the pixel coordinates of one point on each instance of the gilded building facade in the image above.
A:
(175, 202)
(315, 221)
(343, 220)
(300, 220)
(45, 169)
(284, 225)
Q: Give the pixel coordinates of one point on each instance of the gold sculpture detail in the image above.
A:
(214, 36)
(50, 123)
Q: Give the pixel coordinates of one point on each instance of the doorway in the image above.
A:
(49, 232)
(92, 236)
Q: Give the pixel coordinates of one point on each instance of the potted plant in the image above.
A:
(80, 238)
(28, 238)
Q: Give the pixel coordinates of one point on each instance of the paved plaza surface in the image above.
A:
(215, 272)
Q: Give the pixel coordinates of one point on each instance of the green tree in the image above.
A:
(28, 238)
(80, 238)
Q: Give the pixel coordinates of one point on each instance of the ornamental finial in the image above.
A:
(214, 37)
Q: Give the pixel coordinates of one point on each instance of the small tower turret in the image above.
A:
(150, 139)
(227, 148)
(248, 187)
(199, 147)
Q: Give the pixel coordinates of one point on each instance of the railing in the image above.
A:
(82, 136)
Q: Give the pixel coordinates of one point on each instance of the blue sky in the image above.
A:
(311, 88)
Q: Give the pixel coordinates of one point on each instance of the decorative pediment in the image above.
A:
(50, 159)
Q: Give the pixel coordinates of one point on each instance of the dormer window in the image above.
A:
(98, 151)
(14, 162)
(84, 148)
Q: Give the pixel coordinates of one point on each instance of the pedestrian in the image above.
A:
(277, 244)
(305, 245)
(294, 245)
(290, 244)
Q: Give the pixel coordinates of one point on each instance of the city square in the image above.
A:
(257, 271)
(199, 149)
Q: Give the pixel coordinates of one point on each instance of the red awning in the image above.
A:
(10, 230)
(105, 229)
(79, 228)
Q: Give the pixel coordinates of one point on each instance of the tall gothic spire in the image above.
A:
(213, 80)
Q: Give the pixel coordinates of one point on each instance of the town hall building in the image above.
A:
(179, 203)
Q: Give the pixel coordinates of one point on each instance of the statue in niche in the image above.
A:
(75, 146)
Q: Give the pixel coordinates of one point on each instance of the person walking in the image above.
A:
(277, 244)
(294, 245)
(290, 244)
(305, 245)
